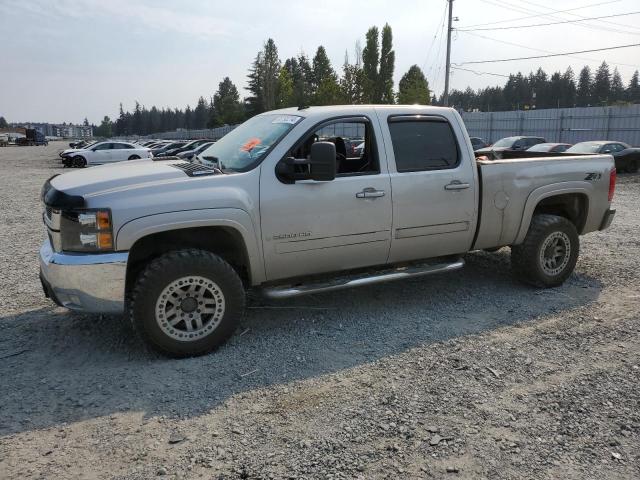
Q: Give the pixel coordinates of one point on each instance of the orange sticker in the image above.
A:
(251, 144)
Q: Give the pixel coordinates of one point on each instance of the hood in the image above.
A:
(122, 176)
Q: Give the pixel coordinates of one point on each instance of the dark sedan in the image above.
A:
(509, 144)
(626, 157)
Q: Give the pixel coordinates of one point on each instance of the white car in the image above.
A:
(104, 152)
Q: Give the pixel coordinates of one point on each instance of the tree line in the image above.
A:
(366, 77)
(296, 81)
(539, 90)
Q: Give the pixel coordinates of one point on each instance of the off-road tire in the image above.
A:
(158, 276)
(78, 162)
(527, 259)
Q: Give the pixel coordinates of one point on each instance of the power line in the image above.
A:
(551, 55)
(584, 59)
(589, 26)
(540, 14)
(480, 73)
(548, 24)
(552, 11)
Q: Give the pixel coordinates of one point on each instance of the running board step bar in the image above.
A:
(357, 280)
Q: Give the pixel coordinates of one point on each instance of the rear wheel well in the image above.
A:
(223, 241)
(572, 206)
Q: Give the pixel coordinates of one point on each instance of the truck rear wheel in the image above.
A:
(186, 303)
(549, 252)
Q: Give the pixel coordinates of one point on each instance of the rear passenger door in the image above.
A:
(434, 187)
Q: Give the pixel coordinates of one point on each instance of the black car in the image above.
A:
(509, 144)
(626, 157)
(477, 143)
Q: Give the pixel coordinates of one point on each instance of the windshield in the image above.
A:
(248, 143)
(505, 142)
(541, 147)
(584, 147)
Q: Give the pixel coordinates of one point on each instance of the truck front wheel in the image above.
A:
(549, 252)
(186, 303)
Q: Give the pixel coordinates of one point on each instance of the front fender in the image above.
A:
(133, 230)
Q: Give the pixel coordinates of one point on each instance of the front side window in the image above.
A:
(104, 146)
(423, 144)
(246, 145)
(355, 146)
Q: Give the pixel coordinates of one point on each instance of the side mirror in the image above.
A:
(320, 167)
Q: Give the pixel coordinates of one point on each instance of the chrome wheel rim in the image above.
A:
(555, 253)
(190, 308)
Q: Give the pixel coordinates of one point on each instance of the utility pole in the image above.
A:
(446, 73)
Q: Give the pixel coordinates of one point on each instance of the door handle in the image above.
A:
(370, 192)
(456, 185)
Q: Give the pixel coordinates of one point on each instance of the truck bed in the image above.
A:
(512, 188)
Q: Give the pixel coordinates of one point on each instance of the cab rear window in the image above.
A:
(423, 144)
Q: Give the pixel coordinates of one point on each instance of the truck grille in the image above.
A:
(48, 211)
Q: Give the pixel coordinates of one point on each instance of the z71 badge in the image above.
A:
(593, 176)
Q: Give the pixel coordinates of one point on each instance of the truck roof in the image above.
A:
(355, 109)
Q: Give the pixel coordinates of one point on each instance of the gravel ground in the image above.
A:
(466, 375)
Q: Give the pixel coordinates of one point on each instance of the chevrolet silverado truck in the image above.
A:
(279, 205)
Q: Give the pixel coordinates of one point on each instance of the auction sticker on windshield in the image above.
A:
(292, 119)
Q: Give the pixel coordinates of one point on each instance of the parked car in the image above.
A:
(549, 147)
(4, 139)
(69, 151)
(278, 208)
(166, 146)
(626, 157)
(478, 143)
(508, 144)
(190, 145)
(105, 152)
(189, 154)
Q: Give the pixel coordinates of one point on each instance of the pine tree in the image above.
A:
(325, 81)
(285, 94)
(3, 123)
(583, 93)
(351, 83)
(387, 65)
(200, 114)
(601, 85)
(370, 59)
(568, 95)
(617, 87)
(414, 88)
(263, 79)
(226, 104)
(633, 90)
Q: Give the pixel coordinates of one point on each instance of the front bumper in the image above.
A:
(607, 219)
(86, 282)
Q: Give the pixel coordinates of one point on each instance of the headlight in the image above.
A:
(86, 230)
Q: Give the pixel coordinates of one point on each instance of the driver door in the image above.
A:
(311, 227)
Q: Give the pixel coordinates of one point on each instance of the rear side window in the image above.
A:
(423, 144)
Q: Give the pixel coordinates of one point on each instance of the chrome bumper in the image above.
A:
(85, 282)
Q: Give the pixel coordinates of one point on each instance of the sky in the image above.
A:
(65, 60)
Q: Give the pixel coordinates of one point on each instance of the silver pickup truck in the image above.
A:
(280, 205)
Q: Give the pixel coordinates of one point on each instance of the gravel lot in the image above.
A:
(465, 375)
